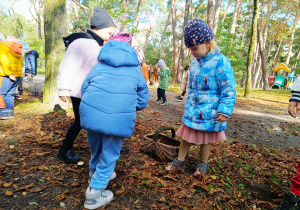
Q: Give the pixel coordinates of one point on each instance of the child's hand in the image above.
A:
(12, 77)
(292, 106)
(64, 98)
(222, 118)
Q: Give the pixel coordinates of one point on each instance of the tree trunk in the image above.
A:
(263, 61)
(135, 17)
(181, 54)
(38, 19)
(164, 32)
(251, 48)
(224, 16)
(210, 11)
(196, 8)
(175, 40)
(234, 16)
(292, 38)
(216, 15)
(147, 37)
(276, 56)
(125, 6)
(297, 55)
(256, 73)
(55, 29)
(75, 11)
(17, 19)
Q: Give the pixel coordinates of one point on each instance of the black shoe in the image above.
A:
(290, 202)
(124, 151)
(179, 98)
(68, 157)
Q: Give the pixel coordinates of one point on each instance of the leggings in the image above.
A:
(161, 94)
(75, 128)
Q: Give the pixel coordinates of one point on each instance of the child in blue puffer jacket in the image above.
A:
(211, 95)
(111, 94)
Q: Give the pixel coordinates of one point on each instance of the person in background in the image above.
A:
(149, 67)
(155, 75)
(184, 83)
(19, 89)
(119, 81)
(145, 72)
(292, 199)
(211, 96)
(164, 75)
(79, 59)
(31, 57)
(10, 73)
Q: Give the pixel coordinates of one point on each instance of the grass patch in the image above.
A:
(31, 108)
(274, 95)
(40, 70)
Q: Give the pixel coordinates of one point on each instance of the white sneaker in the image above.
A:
(112, 176)
(96, 198)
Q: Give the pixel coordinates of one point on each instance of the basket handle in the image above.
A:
(161, 129)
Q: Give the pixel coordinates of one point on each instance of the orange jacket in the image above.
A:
(10, 59)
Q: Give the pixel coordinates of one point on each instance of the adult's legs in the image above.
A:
(105, 151)
(32, 86)
(65, 153)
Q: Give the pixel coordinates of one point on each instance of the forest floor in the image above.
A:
(251, 170)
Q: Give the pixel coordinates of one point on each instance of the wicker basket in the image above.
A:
(160, 146)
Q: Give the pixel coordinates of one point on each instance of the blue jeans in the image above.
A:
(7, 89)
(105, 151)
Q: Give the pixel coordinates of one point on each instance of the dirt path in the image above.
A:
(274, 129)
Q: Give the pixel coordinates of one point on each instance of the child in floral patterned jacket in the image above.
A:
(211, 95)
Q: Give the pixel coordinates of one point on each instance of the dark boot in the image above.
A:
(290, 202)
(68, 156)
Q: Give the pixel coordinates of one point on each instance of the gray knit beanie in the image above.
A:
(101, 19)
(161, 64)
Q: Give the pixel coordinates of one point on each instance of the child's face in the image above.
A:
(105, 33)
(200, 51)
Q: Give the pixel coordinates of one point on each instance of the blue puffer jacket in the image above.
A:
(113, 91)
(211, 92)
(31, 62)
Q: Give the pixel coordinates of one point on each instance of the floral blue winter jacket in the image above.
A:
(31, 62)
(211, 92)
(113, 91)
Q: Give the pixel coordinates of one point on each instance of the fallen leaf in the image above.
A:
(9, 193)
(7, 184)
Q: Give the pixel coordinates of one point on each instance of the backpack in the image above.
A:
(69, 39)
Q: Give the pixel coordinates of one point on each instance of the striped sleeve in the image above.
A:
(296, 90)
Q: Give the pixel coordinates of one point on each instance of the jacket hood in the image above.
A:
(117, 53)
(33, 52)
(13, 46)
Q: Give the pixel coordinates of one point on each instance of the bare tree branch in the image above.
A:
(85, 8)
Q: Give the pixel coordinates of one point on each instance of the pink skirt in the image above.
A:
(200, 137)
